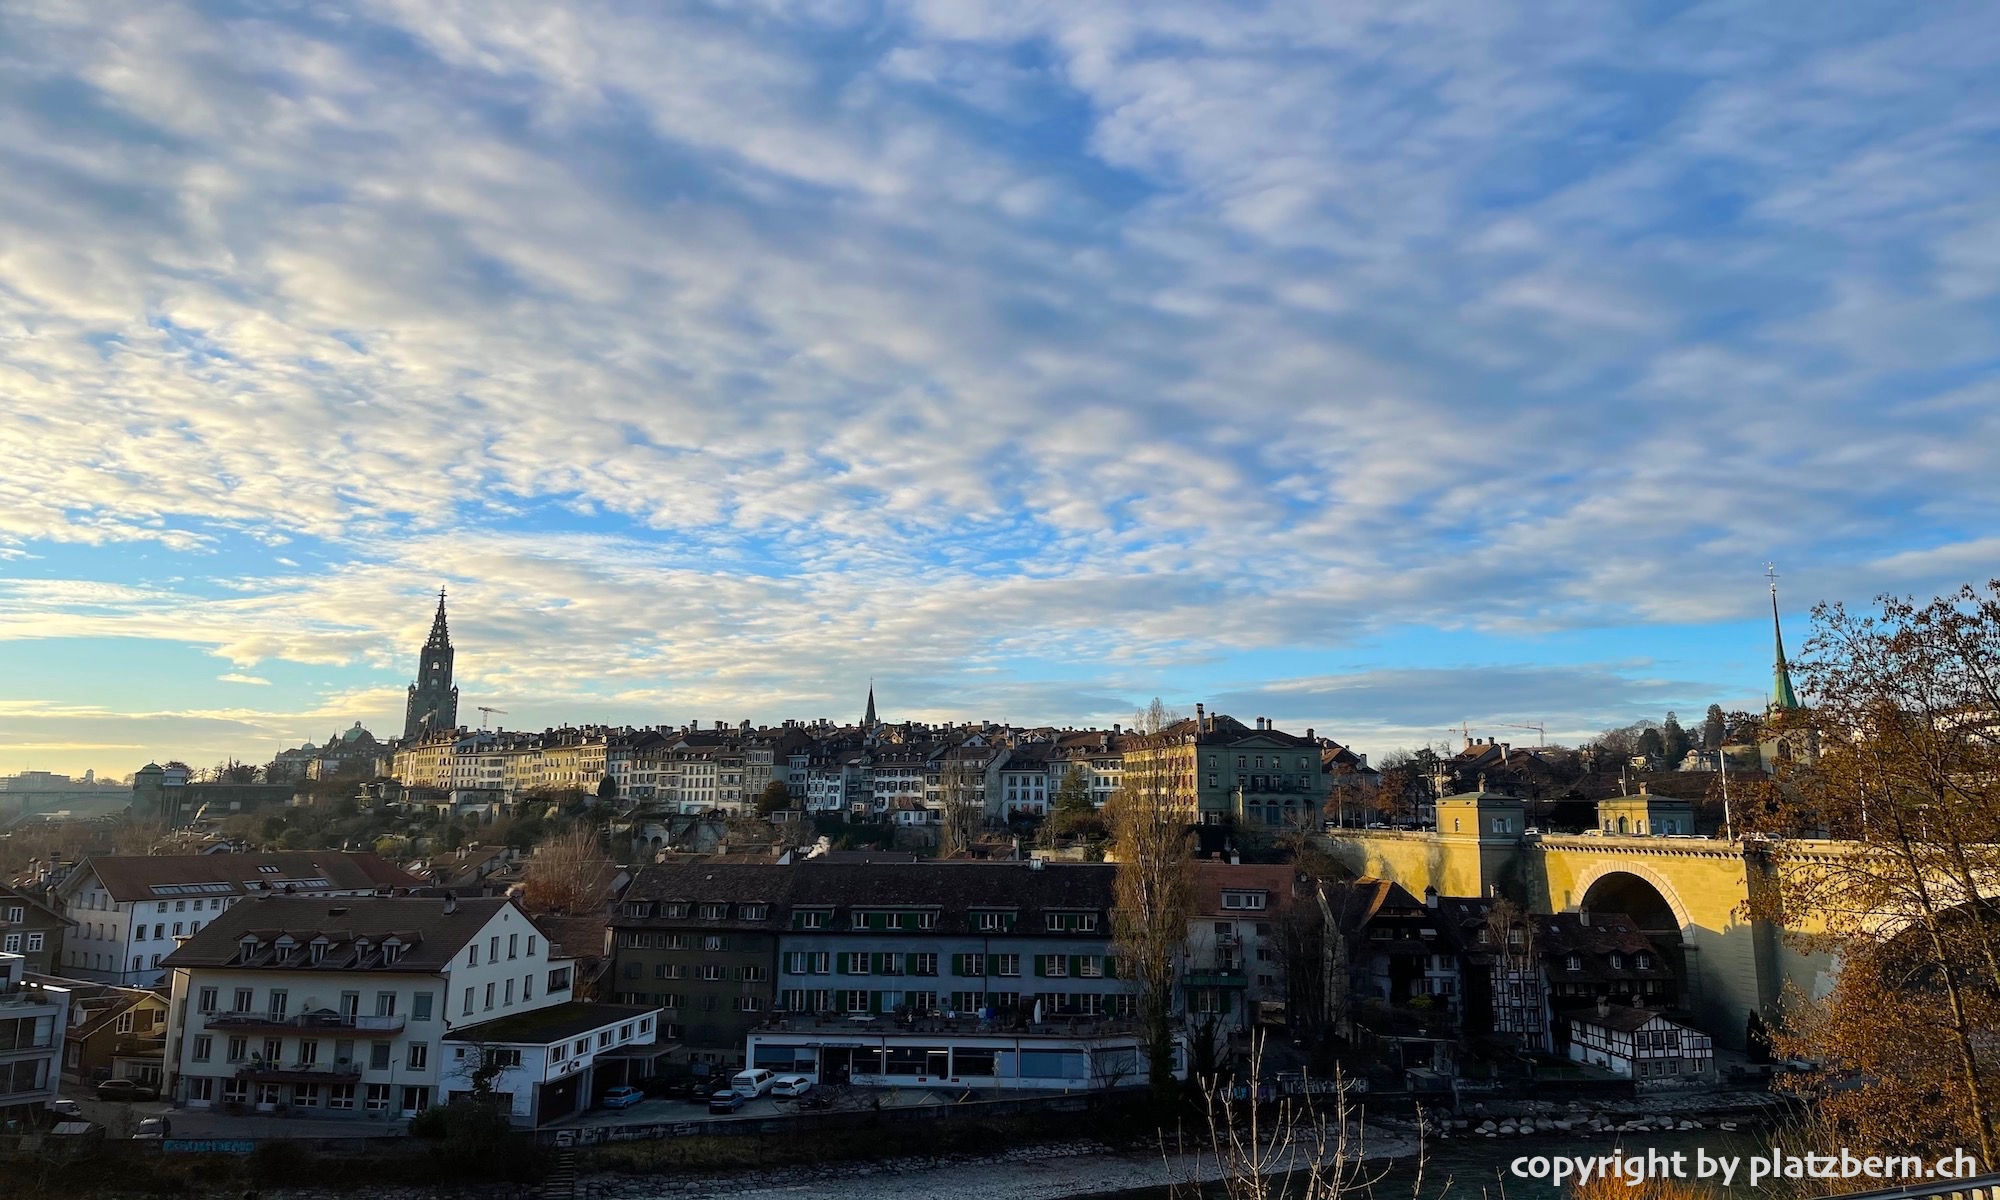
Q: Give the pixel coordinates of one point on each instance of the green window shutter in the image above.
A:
(958, 964)
(844, 964)
(1228, 1001)
(1110, 967)
(875, 1002)
(1041, 964)
(1075, 965)
(909, 964)
(878, 963)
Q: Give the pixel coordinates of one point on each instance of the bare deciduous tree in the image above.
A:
(1154, 717)
(566, 874)
(1155, 892)
(962, 814)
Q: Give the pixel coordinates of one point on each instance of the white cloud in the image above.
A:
(708, 355)
(236, 677)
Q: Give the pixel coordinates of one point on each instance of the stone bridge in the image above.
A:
(1689, 894)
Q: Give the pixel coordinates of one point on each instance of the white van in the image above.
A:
(752, 1083)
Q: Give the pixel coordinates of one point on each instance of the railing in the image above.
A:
(297, 1072)
(1983, 1187)
(1214, 977)
(304, 1022)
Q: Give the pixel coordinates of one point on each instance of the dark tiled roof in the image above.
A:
(1622, 1017)
(543, 1026)
(134, 876)
(955, 889)
(1214, 878)
(430, 936)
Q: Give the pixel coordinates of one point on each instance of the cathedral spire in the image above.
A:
(1782, 695)
(868, 719)
(440, 631)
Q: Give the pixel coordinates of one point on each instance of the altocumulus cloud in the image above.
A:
(733, 351)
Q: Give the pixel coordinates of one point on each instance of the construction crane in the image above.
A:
(1541, 731)
(489, 712)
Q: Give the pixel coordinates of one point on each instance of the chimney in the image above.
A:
(1643, 785)
(1200, 718)
(1603, 1007)
(1430, 897)
(1116, 728)
(1583, 917)
(450, 903)
(1309, 733)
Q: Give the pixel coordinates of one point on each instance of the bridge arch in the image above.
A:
(1650, 901)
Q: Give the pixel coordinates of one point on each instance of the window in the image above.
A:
(420, 1007)
(207, 1000)
(711, 971)
(749, 1003)
(489, 995)
(715, 941)
(1006, 964)
(468, 1000)
(378, 1056)
(1573, 963)
(1055, 966)
(714, 912)
(242, 1000)
(1090, 967)
(385, 1004)
(531, 945)
(923, 964)
(527, 988)
(340, 1095)
(416, 1099)
(472, 955)
(995, 922)
(239, 1049)
(507, 999)
(513, 945)
(972, 965)
(1617, 961)
(752, 912)
(420, 1056)
(558, 980)
(1245, 900)
(204, 1048)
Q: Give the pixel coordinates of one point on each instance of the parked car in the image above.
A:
(153, 1129)
(126, 1089)
(752, 1083)
(727, 1101)
(621, 1097)
(791, 1087)
(68, 1108)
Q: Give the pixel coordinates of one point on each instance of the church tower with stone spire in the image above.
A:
(433, 700)
(1782, 695)
(868, 720)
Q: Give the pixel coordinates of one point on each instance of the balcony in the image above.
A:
(1230, 977)
(258, 1071)
(312, 1022)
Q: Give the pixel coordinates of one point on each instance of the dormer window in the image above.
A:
(1573, 963)
(1249, 900)
(1644, 962)
(1617, 961)
(391, 951)
(316, 953)
(249, 946)
(714, 912)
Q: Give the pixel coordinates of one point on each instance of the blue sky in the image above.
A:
(1374, 367)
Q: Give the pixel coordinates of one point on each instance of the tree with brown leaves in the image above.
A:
(1898, 755)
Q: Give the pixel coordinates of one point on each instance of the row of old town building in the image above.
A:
(335, 984)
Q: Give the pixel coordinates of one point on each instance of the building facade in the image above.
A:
(31, 929)
(356, 1006)
(33, 1017)
(925, 938)
(699, 941)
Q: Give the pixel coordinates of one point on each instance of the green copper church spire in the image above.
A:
(1782, 695)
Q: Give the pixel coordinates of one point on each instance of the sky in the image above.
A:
(1375, 367)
